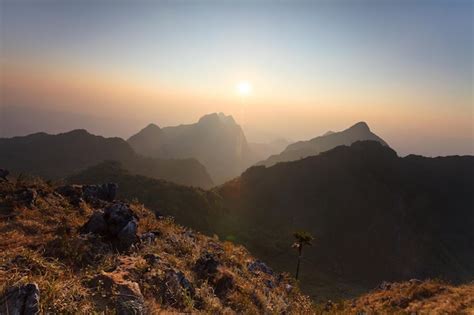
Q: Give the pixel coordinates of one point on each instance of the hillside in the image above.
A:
(329, 140)
(58, 156)
(191, 206)
(73, 249)
(410, 297)
(375, 216)
(216, 141)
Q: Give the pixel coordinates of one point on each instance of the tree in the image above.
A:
(301, 239)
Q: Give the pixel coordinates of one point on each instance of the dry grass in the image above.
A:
(410, 297)
(39, 242)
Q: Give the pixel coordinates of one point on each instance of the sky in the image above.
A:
(405, 67)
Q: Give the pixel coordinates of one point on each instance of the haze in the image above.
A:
(405, 67)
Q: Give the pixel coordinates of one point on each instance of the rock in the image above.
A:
(175, 283)
(20, 300)
(260, 266)
(73, 192)
(151, 258)
(3, 174)
(118, 217)
(117, 223)
(206, 266)
(224, 285)
(28, 196)
(126, 295)
(107, 192)
(96, 224)
(149, 237)
(384, 286)
(128, 235)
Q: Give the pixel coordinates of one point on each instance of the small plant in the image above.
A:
(301, 239)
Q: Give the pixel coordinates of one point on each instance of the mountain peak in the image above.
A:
(152, 126)
(217, 118)
(361, 125)
(77, 132)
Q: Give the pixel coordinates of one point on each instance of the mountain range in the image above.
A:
(61, 155)
(376, 216)
(216, 141)
(301, 149)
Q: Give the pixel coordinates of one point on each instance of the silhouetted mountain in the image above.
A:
(215, 140)
(191, 206)
(375, 216)
(329, 140)
(58, 156)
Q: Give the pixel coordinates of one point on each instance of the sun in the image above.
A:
(244, 88)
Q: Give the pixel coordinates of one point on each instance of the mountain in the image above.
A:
(375, 216)
(216, 141)
(64, 250)
(329, 140)
(190, 206)
(58, 156)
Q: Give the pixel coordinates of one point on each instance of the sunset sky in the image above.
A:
(404, 67)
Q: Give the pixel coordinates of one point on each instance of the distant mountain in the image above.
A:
(375, 216)
(58, 156)
(329, 140)
(216, 141)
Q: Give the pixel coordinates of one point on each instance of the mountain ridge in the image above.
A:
(301, 149)
(215, 140)
(61, 155)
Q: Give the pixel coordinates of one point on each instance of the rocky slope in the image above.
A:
(58, 156)
(74, 249)
(330, 140)
(216, 141)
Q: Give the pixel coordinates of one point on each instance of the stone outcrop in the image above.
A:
(20, 300)
(117, 223)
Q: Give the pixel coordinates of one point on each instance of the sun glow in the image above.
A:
(244, 88)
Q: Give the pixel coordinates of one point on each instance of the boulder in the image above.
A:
(20, 300)
(96, 224)
(117, 223)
